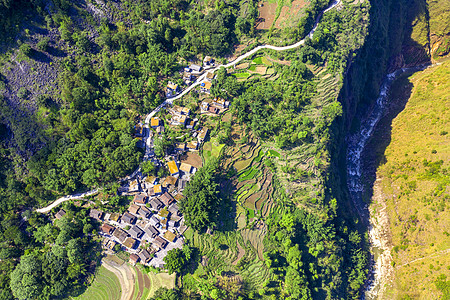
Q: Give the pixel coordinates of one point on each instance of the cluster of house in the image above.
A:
(216, 106)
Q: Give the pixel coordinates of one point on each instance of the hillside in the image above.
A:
(413, 183)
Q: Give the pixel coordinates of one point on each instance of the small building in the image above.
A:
(61, 213)
(219, 102)
(178, 197)
(107, 229)
(182, 184)
(170, 236)
(155, 204)
(203, 134)
(159, 243)
(150, 179)
(133, 209)
(155, 122)
(167, 199)
(151, 231)
(145, 256)
(180, 146)
(134, 259)
(157, 189)
(174, 210)
(172, 89)
(187, 168)
(173, 168)
(205, 87)
(169, 181)
(192, 146)
(182, 110)
(96, 214)
(195, 68)
(144, 212)
(172, 223)
(110, 244)
(128, 218)
(154, 221)
(130, 242)
(191, 124)
(114, 217)
(208, 61)
(120, 234)
(204, 106)
(160, 129)
(187, 76)
(140, 199)
(136, 232)
(213, 110)
(210, 76)
(151, 192)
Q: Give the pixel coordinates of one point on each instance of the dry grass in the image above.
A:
(417, 198)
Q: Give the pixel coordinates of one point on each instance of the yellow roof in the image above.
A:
(157, 188)
(172, 86)
(207, 85)
(154, 122)
(185, 110)
(185, 167)
(169, 180)
(173, 168)
(170, 236)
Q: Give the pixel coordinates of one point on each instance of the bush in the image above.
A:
(23, 93)
(26, 49)
(42, 45)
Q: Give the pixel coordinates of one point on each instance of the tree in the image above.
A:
(166, 294)
(175, 260)
(26, 49)
(148, 168)
(43, 44)
(25, 279)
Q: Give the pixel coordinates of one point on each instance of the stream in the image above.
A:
(356, 143)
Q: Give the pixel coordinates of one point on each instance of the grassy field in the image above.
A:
(105, 286)
(416, 185)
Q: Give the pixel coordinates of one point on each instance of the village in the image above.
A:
(153, 223)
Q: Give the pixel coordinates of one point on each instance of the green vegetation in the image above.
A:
(106, 286)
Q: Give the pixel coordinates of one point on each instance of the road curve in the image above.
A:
(199, 80)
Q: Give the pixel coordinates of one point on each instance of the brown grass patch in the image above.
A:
(290, 15)
(266, 15)
(193, 159)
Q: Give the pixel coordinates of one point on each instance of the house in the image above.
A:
(205, 87)
(170, 180)
(61, 213)
(187, 76)
(219, 102)
(191, 124)
(178, 197)
(110, 244)
(96, 214)
(180, 146)
(172, 223)
(120, 234)
(133, 209)
(155, 122)
(203, 134)
(173, 168)
(134, 259)
(172, 89)
(170, 236)
(134, 186)
(154, 221)
(140, 199)
(204, 106)
(208, 61)
(167, 199)
(145, 256)
(144, 212)
(155, 204)
(195, 68)
(185, 168)
(210, 76)
(114, 217)
(128, 218)
(159, 243)
(151, 231)
(130, 243)
(151, 180)
(157, 189)
(151, 192)
(182, 184)
(160, 129)
(174, 210)
(181, 110)
(107, 229)
(213, 110)
(192, 146)
(136, 232)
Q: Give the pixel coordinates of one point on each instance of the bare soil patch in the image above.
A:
(266, 15)
(193, 159)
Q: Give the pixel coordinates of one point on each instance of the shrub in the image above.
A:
(23, 93)
(42, 45)
(26, 49)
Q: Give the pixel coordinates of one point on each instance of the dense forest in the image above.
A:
(112, 68)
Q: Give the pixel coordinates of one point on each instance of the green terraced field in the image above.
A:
(105, 286)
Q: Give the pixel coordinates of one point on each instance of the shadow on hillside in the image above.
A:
(374, 152)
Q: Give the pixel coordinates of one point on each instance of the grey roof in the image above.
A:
(151, 231)
(145, 256)
(96, 214)
(196, 68)
(143, 211)
(128, 218)
(173, 209)
(154, 221)
(155, 204)
(60, 214)
(136, 232)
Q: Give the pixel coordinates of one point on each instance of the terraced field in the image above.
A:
(106, 286)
